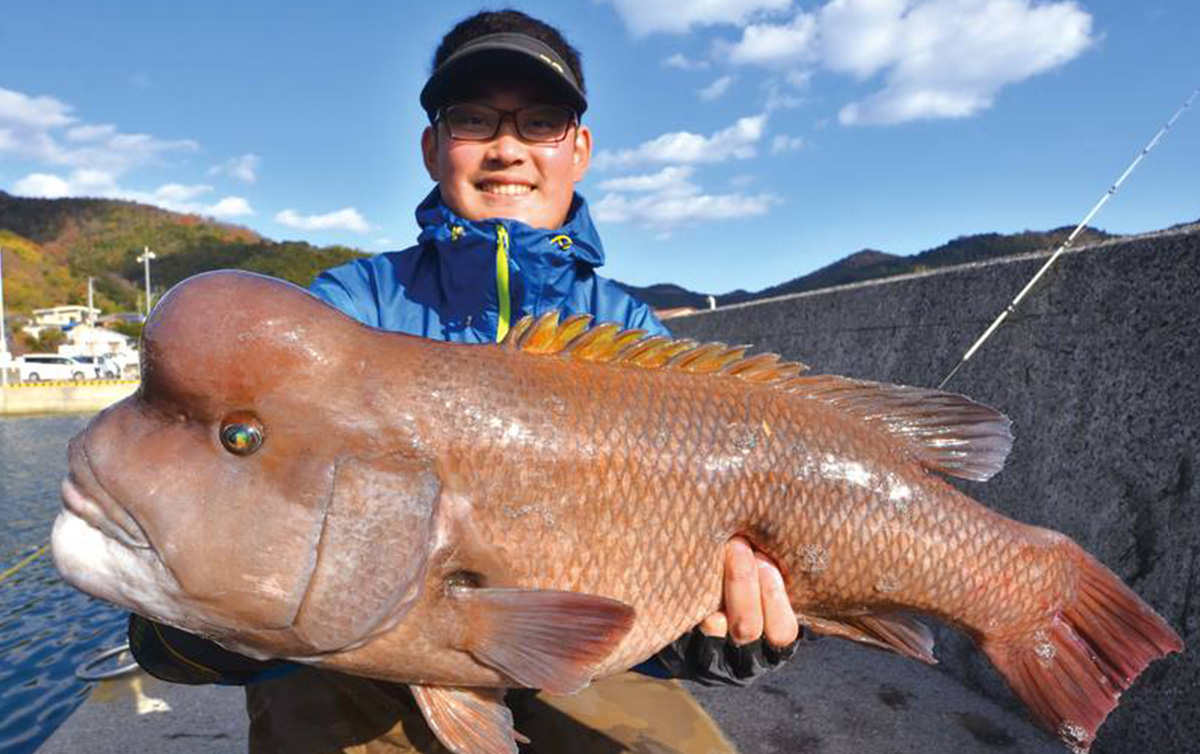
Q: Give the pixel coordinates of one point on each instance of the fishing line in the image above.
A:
(1071, 238)
(26, 561)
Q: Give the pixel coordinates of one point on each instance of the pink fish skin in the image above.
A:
(554, 508)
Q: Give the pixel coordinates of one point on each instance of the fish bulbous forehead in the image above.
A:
(232, 336)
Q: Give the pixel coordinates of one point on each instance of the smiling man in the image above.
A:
(503, 235)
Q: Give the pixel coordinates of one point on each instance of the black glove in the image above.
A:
(717, 661)
(178, 657)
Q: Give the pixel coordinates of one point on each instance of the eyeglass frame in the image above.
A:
(439, 117)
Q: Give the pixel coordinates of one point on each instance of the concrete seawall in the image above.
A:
(1098, 370)
(27, 398)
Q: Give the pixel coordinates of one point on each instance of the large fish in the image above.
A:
(537, 513)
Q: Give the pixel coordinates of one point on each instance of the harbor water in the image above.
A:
(47, 628)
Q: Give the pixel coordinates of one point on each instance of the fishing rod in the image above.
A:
(1071, 238)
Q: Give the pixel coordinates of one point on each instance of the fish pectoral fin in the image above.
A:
(469, 721)
(541, 639)
(896, 632)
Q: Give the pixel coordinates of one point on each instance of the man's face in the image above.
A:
(507, 177)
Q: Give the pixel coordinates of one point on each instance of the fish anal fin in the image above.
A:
(467, 720)
(896, 632)
(541, 639)
(946, 432)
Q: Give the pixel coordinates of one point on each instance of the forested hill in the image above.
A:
(870, 264)
(52, 246)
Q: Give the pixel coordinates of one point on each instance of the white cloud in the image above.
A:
(948, 58)
(42, 186)
(176, 197)
(673, 179)
(735, 142)
(784, 143)
(684, 63)
(89, 159)
(716, 88)
(90, 133)
(39, 113)
(231, 206)
(669, 198)
(244, 168)
(343, 219)
(938, 58)
(666, 212)
(42, 129)
(776, 44)
(177, 193)
(677, 16)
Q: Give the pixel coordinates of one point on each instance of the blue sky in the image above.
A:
(739, 143)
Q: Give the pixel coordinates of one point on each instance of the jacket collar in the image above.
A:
(576, 241)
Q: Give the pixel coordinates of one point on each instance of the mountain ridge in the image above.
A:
(53, 245)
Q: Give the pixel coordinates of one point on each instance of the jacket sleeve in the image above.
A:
(178, 657)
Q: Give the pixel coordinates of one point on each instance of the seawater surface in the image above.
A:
(46, 627)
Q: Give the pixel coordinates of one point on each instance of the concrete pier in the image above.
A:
(29, 398)
(833, 698)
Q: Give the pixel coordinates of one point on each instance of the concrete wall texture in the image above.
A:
(1098, 370)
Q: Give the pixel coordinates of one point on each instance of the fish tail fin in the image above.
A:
(1072, 670)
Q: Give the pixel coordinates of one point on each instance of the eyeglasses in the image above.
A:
(536, 124)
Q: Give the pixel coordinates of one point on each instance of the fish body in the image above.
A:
(555, 508)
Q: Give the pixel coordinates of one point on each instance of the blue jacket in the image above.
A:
(469, 280)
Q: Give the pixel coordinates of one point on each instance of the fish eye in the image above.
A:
(242, 434)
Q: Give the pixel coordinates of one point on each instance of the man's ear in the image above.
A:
(582, 155)
(429, 148)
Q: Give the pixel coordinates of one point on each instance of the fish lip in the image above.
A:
(84, 495)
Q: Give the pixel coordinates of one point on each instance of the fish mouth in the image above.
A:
(84, 496)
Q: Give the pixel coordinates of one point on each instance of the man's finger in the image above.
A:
(779, 619)
(715, 625)
(743, 602)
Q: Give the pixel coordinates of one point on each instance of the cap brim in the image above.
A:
(458, 77)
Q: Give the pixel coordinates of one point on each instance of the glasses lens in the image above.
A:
(544, 122)
(471, 121)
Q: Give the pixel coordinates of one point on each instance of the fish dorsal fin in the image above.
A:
(945, 431)
(609, 344)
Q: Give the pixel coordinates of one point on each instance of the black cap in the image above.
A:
(520, 54)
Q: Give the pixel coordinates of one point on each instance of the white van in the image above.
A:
(102, 367)
(35, 367)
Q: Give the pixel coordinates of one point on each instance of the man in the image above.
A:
(503, 235)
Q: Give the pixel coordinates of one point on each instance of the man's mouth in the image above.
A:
(505, 189)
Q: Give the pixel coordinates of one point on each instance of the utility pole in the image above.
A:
(3, 334)
(146, 256)
(91, 318)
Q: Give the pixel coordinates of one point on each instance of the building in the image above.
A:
(59, 318)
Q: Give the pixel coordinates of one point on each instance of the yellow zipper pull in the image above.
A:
(505, 313)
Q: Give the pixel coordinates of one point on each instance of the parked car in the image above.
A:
(101, 366)
(35, 367)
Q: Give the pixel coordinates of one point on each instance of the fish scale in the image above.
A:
(555, 508)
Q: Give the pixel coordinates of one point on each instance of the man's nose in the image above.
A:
(507, 146)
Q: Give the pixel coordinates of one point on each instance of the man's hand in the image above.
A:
(755, 603)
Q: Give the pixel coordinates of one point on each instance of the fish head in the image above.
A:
(203, 500)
